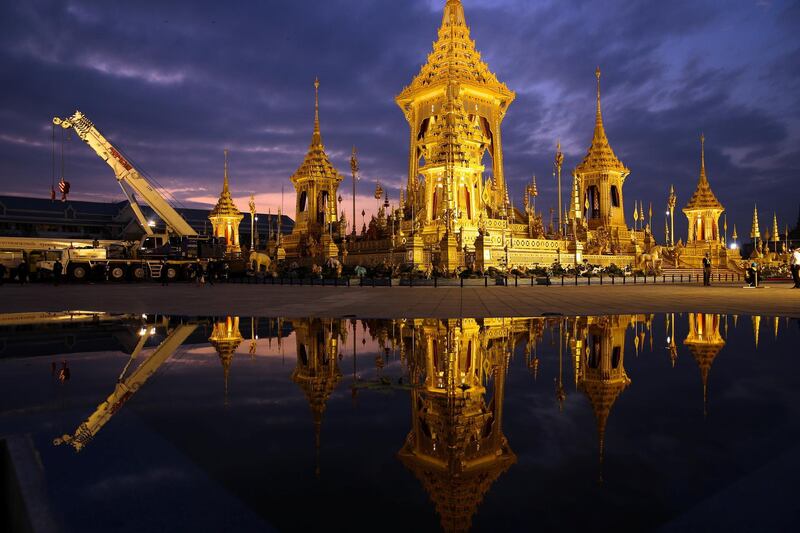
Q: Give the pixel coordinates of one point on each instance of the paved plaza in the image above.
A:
(401, 302)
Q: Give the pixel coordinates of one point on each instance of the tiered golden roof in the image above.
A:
(225, 206)
(455, 58)
(703, 197)
(600, 156)
(316, 165)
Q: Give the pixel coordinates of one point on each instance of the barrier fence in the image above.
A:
(486, 281)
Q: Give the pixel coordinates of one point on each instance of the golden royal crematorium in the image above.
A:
(454, 212)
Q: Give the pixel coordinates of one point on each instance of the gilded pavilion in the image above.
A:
(316, 182)
(225, 217)
(702, 213)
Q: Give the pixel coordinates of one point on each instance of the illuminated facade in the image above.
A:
(454, 107)
(225, 217)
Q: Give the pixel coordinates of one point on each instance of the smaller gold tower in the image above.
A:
(225, 217)
(601, 176)
(316, 184)
(702, 213)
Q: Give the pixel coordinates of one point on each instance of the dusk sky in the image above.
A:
(174, 83)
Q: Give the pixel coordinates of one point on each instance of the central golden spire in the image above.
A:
(702, 156)
(316, 139)
(454, 13)
(225, 183)
(599, 116)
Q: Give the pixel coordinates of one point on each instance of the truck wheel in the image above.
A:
(78, 273)
(117, 273)
(171, 272)
(138, 273)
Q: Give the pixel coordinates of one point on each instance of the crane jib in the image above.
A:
(121, 159)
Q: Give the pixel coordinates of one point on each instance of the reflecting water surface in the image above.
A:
(678, 421)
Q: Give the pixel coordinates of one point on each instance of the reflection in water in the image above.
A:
(128, 385)
(454, 370)
(704, 342)
(599, 351)
(226, 338)
(456, 446)
(317, 369)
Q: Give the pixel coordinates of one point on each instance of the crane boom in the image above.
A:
(127, 176)
(125, 388)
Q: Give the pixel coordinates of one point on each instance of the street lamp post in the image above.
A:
(354, 170)
(558, 163)
(256, 240)
(252, 222)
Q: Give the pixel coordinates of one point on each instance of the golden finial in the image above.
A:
(559, 155)
(317, 135)
(354, 162)
(225, 184)
(599, 113)
(702, 155)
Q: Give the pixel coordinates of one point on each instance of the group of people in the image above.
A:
(22, 271)
(200, 273)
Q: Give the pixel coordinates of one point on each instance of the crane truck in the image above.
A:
(172, 254)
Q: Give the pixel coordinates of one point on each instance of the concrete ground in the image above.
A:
(401, 302)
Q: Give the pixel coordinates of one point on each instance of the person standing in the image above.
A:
(58, 269)
(706, 270)
(22, 272)
(794, 261)
(164, 276)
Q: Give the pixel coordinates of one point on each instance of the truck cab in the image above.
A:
(176, 247)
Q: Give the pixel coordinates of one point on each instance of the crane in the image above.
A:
(127, 386)
(130, 180)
